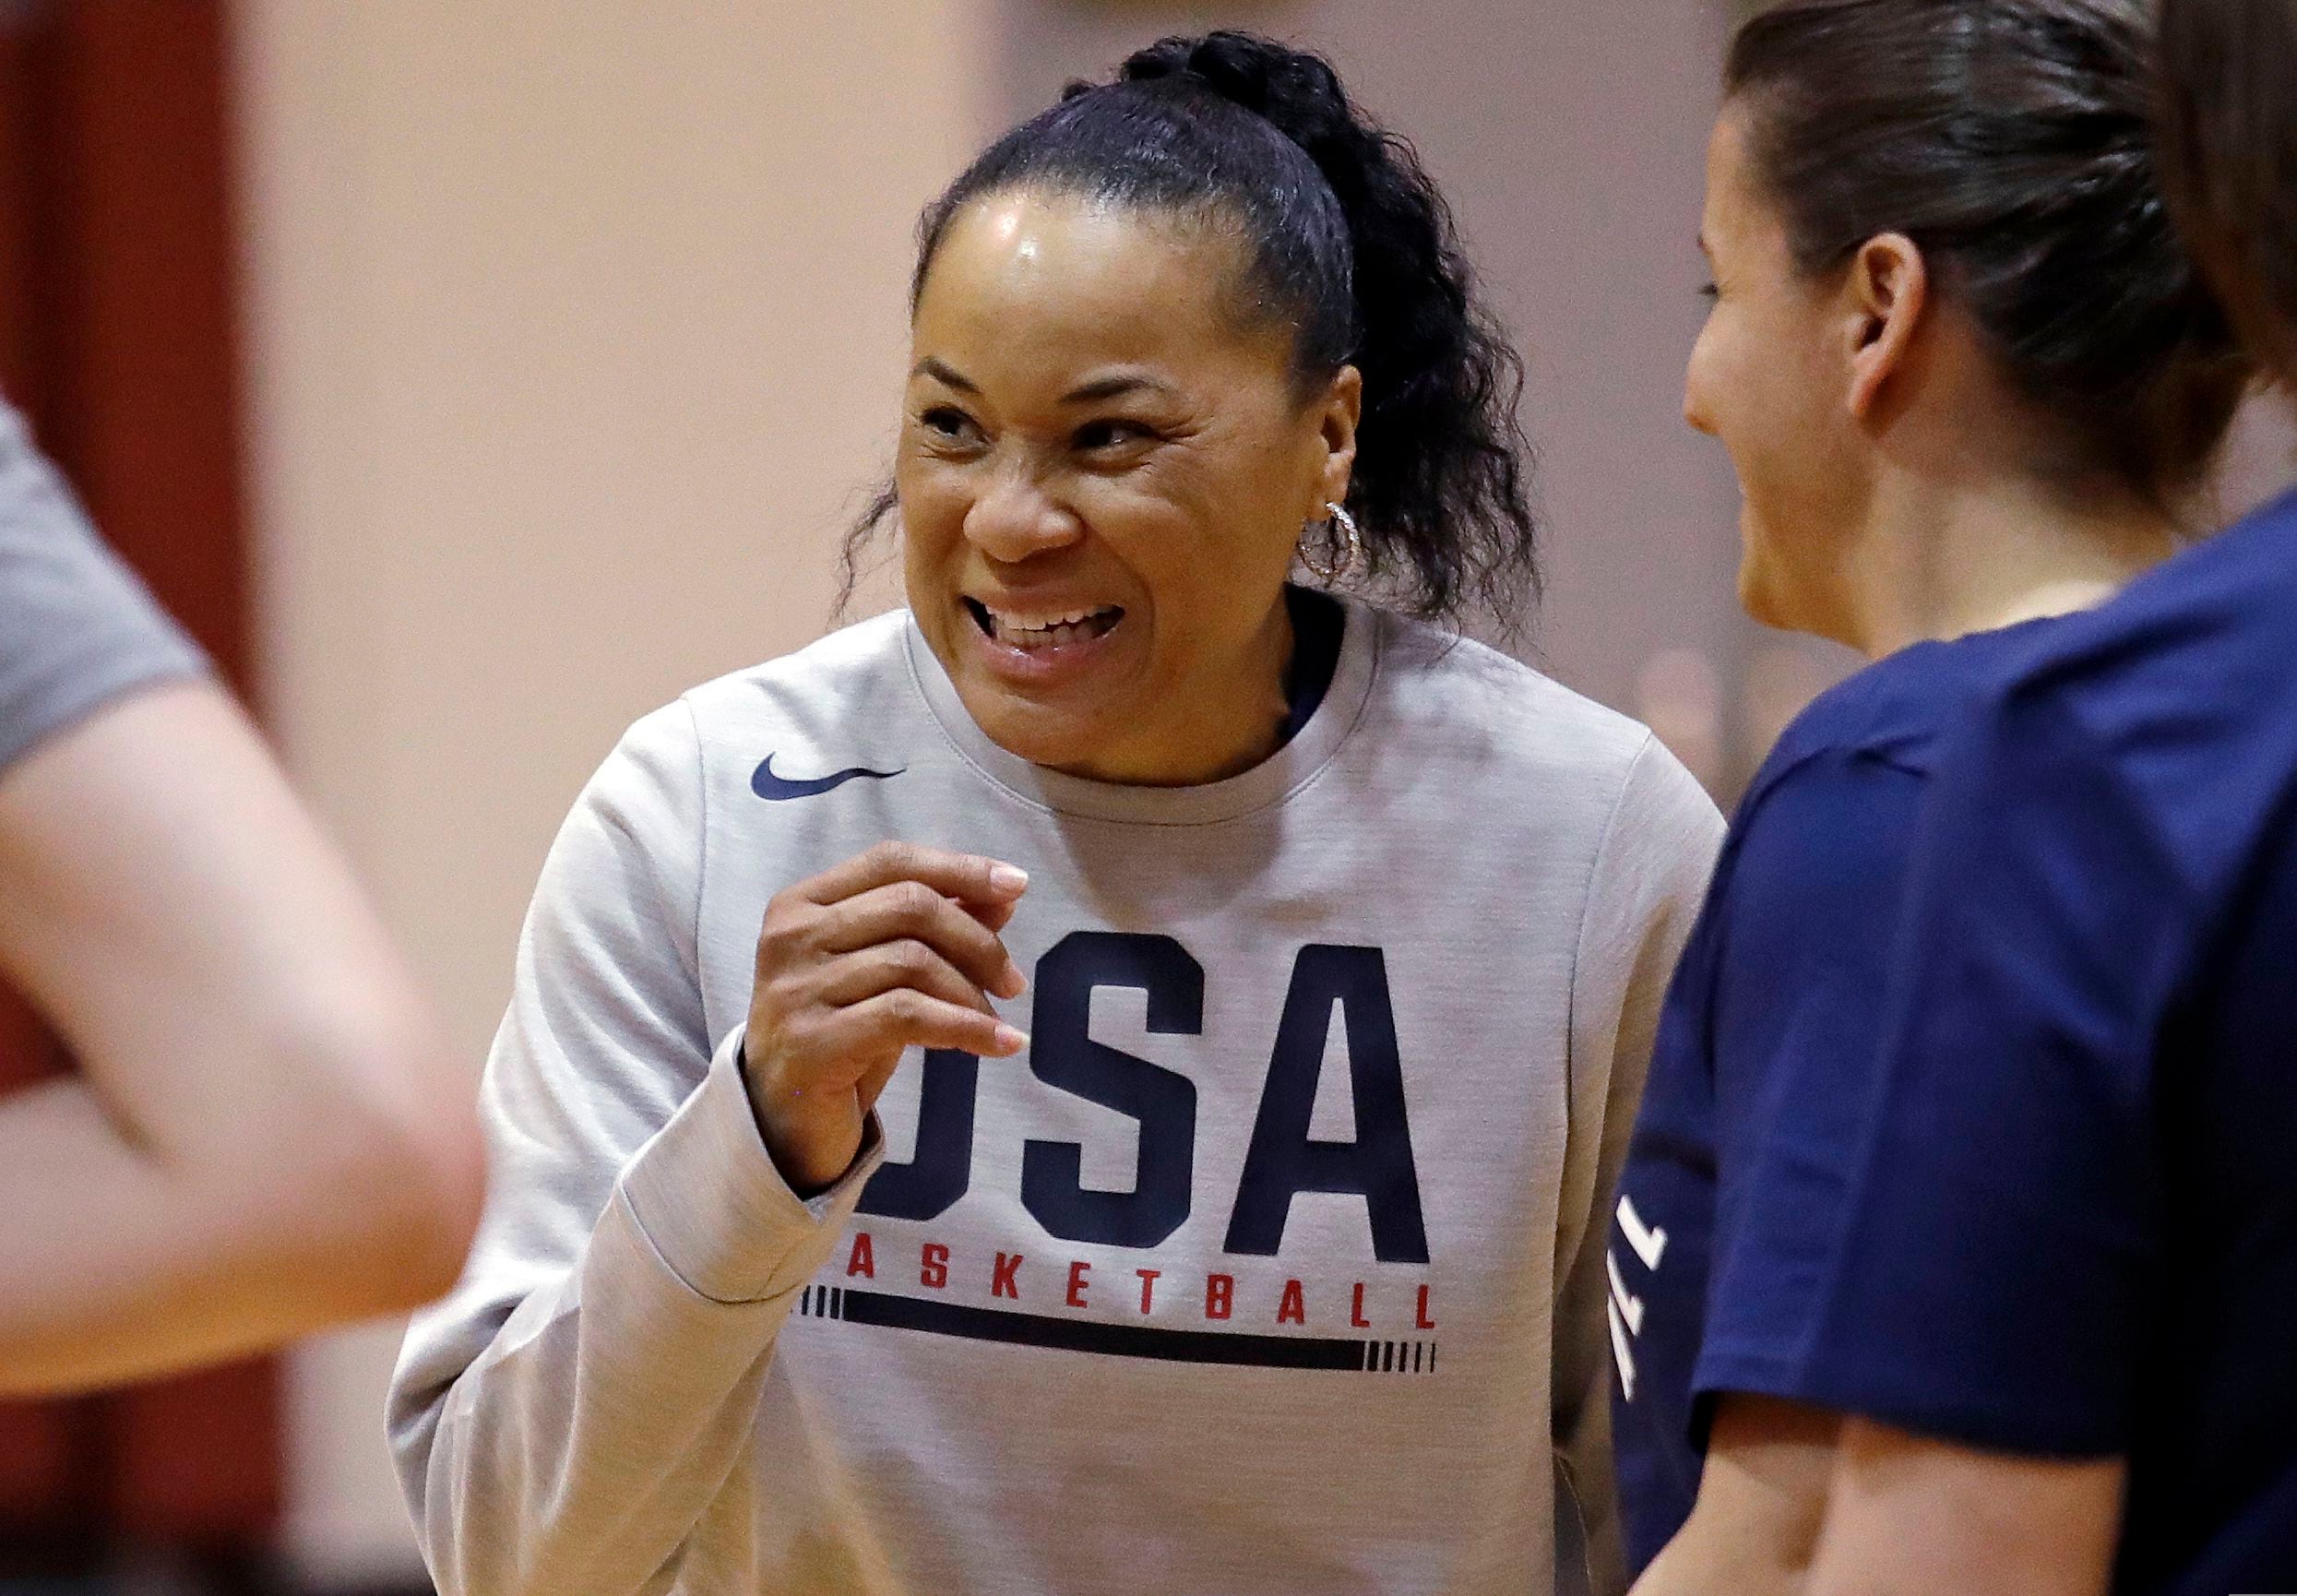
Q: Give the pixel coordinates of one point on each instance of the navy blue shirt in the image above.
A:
(2059, 1214)
(1761, 1071)
(2069, 1222)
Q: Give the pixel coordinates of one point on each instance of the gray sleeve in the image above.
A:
(563, 1417)
(77, 628)
(1650, 878)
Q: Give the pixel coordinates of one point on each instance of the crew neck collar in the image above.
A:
(1271, 781)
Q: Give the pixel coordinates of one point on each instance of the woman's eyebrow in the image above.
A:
(941, 371)
(1115, 386)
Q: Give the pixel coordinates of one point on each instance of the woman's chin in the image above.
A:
(1756, 598)
(1765, 590)
(1065, 706)
(1057, 735)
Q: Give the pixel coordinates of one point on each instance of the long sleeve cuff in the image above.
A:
(708, 1195)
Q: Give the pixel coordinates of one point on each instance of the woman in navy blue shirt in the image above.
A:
(2057, 1307)
(1970, 382)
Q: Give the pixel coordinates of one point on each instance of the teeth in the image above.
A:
(1049, 630)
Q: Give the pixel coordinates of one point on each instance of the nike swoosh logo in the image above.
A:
(779, 788)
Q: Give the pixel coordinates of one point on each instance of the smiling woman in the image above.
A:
(1100, 520)
(1222, 267)
(1274, 1255)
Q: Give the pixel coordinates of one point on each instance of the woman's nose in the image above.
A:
(1695, 410)
(1015, 520)
(1701, 382)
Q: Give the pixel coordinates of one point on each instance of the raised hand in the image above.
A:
(893, 949)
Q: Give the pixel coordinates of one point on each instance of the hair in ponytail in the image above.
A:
(1350, 248)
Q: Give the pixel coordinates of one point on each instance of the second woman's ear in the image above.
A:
(1342, 409)
(1888, 288)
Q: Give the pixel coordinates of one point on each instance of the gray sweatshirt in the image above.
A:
(1275, 1265)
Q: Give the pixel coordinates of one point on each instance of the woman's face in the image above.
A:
(1768, 377)
(1102, 476)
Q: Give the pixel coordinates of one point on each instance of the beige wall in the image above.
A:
(573, 327)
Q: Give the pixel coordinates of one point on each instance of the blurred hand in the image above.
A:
(894, 949)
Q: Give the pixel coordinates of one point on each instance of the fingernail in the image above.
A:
(1010, 1040)
(1012, 983)
(1008, 879)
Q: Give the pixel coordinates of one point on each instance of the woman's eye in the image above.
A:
(946, 424)
(1097, 436)
(1710, 293)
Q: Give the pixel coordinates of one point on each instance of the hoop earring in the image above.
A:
(1351, 547)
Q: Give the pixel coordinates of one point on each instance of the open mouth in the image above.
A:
(1030, 632)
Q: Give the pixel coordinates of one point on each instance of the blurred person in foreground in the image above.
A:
(264, 1135)
(1262, 1250)
(2049, 1293)
(1972, 383)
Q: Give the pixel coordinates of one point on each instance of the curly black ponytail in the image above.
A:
(1353, 249)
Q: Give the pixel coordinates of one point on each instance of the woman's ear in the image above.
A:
(1887, 290)
(1342, 409)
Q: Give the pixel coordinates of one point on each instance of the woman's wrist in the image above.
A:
(811, 1154)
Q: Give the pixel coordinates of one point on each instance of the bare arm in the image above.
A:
(267, 1135)
(1761, 1498)
(1908, 1516)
